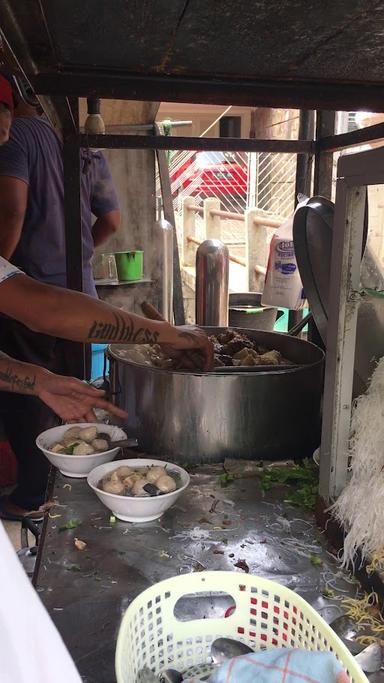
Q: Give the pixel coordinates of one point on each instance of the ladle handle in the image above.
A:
(296, 329)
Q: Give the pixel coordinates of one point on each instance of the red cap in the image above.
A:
(6, 96)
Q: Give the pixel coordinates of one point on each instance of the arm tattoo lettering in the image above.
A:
(17, 383)
(122, 330)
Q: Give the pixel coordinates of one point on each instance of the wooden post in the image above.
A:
(189, 230)
(256, 249)
(341, 331)
(212, 224)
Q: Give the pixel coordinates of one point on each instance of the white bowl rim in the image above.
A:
(115, 449)
(149, 462)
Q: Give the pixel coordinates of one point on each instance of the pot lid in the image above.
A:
(312, 235)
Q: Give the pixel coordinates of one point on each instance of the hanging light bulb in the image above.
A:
(94, 124)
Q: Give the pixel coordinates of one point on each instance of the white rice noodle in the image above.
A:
(360, 507)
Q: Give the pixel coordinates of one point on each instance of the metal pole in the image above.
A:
(303, 181)
(253, 163)
(323, 172)
(304, 161)
(73, 236)
(212, 274)
(169, 215)
(72, 208)
(164, 254)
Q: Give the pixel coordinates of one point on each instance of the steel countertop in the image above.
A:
(210, 527)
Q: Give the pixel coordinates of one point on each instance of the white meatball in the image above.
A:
(83, 449)
(114, 476)
(137, 489)
(124, 471)
(88, 434)
(100, 445)
(166, 484)
(131, 480)
(154, 473)
(116, 487)
(72, 433)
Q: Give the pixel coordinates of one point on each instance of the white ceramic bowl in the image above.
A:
(78, 465)
(137, 509)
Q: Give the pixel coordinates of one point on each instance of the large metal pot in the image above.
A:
(195, 417)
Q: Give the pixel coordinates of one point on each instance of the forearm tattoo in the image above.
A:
(122, 330)
(16, 383)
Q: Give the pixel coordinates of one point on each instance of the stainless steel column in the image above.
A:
(212, 273)
(164, 247)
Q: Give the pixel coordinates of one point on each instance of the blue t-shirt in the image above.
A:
(34, 154)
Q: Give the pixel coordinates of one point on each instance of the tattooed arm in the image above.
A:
(17, 377)
(68, 397)
(70, 315)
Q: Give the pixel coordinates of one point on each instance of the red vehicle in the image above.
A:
(211, 174)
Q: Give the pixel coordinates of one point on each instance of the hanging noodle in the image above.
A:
(377, 562)
(360, 506)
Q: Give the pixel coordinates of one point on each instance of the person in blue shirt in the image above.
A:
(32, 237)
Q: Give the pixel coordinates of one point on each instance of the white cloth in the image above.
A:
(31, 649)
(7, 270)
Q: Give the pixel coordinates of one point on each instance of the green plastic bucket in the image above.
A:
(129, 265)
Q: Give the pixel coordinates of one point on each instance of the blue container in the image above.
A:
(97, 368)
(282, 324)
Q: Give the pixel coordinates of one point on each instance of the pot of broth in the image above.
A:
(235, 412)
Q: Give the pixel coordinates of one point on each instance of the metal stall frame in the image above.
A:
(354, 173)
(59, 89)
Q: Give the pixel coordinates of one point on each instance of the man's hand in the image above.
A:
(71, 399)
(188, 344)
(194, 341)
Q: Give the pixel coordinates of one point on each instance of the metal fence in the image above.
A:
(242, 188)
(239, 180)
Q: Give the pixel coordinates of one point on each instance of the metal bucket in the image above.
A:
(196, 417)
(245, 311)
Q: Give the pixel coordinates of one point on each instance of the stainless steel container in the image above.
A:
(245, 310)
(194, 417)
(212, 274)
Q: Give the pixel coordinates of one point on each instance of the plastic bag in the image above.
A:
(283, 285)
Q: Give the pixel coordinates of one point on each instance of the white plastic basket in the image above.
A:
(266, 615)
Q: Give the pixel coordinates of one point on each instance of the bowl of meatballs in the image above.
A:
(77, 449)
(138, 489)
